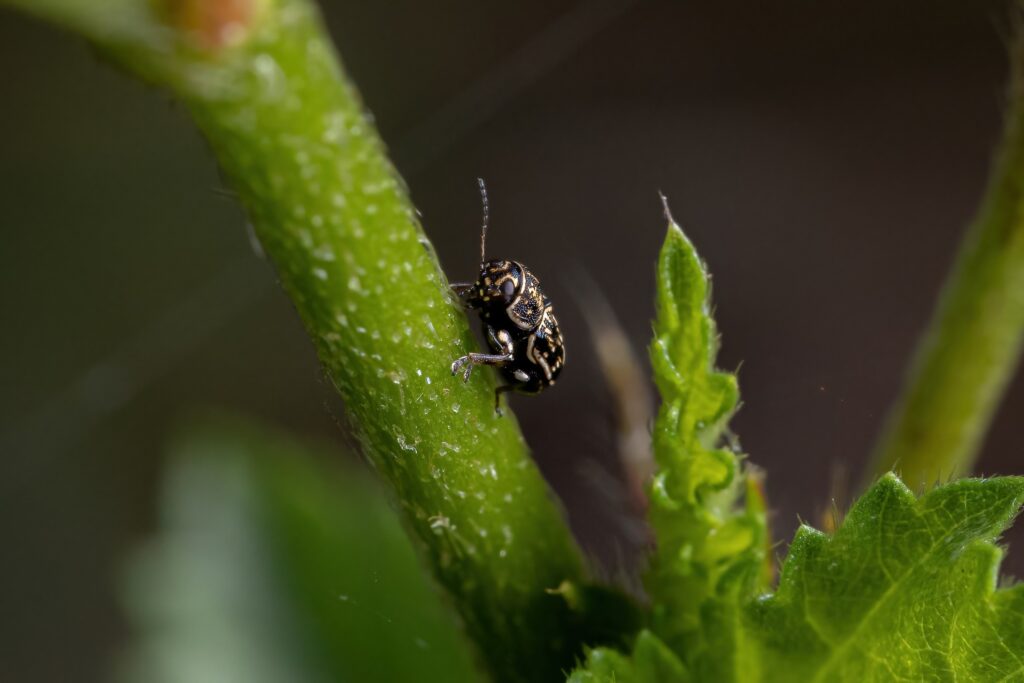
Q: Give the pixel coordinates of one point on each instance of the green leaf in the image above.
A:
(857, 607)
(651, 662)
(711, 550)
(905, 590)
(271, 565)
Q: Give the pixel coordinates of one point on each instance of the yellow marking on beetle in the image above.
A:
(545, 367)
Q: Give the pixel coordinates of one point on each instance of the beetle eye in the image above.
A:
(508, 288)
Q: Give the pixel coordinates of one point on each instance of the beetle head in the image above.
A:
(499, 282)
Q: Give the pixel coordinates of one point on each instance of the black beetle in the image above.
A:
(526, 344)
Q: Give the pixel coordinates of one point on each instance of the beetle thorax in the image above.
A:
(508, 291)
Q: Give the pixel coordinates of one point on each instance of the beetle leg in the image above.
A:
(498, 391)
(462, 289)
(473, 359)
(500, 341)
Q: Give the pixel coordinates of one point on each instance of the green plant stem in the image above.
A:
(266, 88)
(972, 346)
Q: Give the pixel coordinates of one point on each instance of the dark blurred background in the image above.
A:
(824, 157)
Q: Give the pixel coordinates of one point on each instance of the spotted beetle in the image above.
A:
(520, 324)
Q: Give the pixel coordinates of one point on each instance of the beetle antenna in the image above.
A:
(487, 216)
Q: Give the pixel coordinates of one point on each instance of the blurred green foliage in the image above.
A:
(274, 562)
(973, 344)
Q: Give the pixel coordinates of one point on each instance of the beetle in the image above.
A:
(519, 322)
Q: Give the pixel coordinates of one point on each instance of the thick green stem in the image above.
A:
(265, 86)
(973, 344)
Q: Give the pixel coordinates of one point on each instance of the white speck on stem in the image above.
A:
(404, 445)
(269, 73)
(324, 253)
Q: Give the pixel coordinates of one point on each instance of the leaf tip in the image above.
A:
(889, 483)
(665, 208)
(675, 231)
